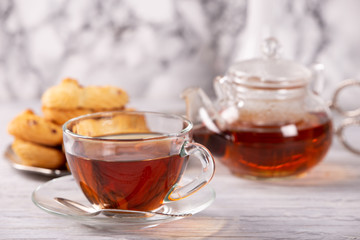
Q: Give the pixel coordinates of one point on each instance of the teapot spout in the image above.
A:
(200, 110)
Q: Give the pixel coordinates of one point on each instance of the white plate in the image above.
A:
(66, 187)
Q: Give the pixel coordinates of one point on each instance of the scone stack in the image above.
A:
(38, 139)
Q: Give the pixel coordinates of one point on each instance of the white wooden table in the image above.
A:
(323, 205)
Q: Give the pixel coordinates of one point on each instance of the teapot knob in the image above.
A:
(271, 47)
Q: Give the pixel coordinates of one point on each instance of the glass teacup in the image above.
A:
(133, 160)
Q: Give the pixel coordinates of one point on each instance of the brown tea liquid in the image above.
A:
(274, 151)
(132, 185)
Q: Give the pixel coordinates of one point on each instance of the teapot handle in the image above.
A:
(351, 121)
(340, 133)
(335, 100)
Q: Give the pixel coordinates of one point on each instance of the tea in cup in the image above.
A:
(133, 160)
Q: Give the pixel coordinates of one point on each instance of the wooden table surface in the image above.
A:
(325, 204)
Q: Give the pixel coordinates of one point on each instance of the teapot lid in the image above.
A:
(269, 71)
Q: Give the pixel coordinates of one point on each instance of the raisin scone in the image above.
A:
(30, 127)
(69, 99)
(36, 155)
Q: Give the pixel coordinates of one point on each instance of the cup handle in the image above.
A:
(339, 132)
(208, 170)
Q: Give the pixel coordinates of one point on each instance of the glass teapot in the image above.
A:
(267, 122)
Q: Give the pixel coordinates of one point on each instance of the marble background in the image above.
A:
(155, 49)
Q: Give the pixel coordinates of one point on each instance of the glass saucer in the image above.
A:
(66, 187)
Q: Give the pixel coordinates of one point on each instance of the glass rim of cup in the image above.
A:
(184, 130)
